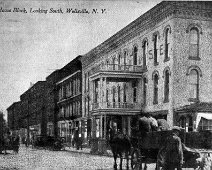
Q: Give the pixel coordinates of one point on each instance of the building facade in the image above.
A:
(33, 109)
(13, 115)
(51, 103)
(158, 63)
(70, 100)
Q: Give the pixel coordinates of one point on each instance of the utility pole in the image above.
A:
(28, 114)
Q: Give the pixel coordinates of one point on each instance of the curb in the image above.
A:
(87, 152)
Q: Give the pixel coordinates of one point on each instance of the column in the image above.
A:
(100, 128)
(129, 125)
(105, 125)
(100, 92)
(123, 125)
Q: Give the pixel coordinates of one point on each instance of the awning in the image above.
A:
(207, 116)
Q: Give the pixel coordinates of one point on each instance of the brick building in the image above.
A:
(70, 100)
(33, 109)
(160, 63)
(51, 103)
(13, 115)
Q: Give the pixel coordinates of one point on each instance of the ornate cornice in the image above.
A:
(147, 21)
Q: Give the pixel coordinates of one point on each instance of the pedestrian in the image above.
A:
(76, 138)
(16, 144)
(171, 155)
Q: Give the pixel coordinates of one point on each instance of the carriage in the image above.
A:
(145, 149)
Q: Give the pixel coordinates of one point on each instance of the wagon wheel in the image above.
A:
(135, 160)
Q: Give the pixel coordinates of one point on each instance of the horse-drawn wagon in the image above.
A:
(145, 147)
(145, 150)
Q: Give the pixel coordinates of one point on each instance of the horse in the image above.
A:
(119, 144)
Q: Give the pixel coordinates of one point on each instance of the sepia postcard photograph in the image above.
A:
(105, 85)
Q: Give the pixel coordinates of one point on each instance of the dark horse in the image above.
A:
(119, 144)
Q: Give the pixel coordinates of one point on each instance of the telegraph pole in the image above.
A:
(28, 119)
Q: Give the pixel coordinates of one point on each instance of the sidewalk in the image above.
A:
(86, 151)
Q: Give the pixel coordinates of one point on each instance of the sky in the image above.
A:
(34, 43)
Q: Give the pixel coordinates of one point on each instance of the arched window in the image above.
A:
(144, 90)
(134, 86)
(194, 84)
(155, 49)
(155, 97)
(166, 86)
(124, 93)
(114, 96)
(119, 97)
(125, 57)
(194, 43)
(167, 43)
(114, 63)
(119, 61)
(135, 54)
(144, 52)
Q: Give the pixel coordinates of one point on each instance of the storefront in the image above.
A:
(66, 130)
(195, 117)
(50, 129)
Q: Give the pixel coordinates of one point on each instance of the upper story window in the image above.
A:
(125, 57)
(194, 43)
(144, 46)
(194, 73)
(134, 86)
(144, 90)
(166, 76)
(135, 54)
(155, 40)
(194, 84)
(119, 61)
(119, 92)
(194, 30)
(155, 97)
(167, 32)
(114, 63)
(125, 93)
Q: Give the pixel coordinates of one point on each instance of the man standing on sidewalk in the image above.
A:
(172, 152)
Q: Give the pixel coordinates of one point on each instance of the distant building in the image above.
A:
(52, 108)
(33, 110)
(13, 116)
(70, 100)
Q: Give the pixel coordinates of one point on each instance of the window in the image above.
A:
(70, 87)
(144, 91)
(114, 95)
(144, 53)
(155, 100)
(124, 93)
(194, 84)
(166, 86)
(134, 86)
(125, 57)
(155, 50)
(182, 122)
(107, 93)
(114, 63)
(119, 97)
(205, 124)
(167, 32)
(96, 92)
(119, 61)
(194, 43)
(135, 53)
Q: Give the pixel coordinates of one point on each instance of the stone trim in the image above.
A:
(153, 74)
(160, 12)
(195, 68)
